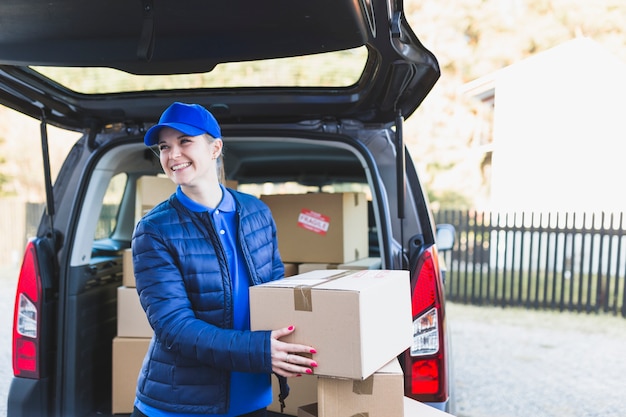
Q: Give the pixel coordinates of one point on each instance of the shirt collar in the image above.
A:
(227, 204)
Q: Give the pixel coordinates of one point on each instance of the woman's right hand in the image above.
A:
(286, 358)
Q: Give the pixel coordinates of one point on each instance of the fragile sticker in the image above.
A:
(313, 221)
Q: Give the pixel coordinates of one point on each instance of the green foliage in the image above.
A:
(449, 199)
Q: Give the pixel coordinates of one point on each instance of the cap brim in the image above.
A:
(152, 135)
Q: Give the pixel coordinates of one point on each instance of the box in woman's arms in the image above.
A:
(356, 320)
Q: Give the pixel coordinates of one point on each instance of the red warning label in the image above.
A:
(313, 221)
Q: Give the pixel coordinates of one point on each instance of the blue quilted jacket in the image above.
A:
(184, 287)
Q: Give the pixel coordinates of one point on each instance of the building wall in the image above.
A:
(560, 131)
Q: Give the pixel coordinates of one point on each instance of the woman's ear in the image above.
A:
(217, 148)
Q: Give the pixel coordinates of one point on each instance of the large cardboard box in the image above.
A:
(152, 190)
(380, 395)
(320, 227)
(131, 319)
(128, 354)
(356, 320)
(302, 391)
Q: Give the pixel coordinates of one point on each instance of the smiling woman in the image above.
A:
(331, 69)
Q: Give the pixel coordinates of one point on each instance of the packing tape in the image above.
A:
(302, 293)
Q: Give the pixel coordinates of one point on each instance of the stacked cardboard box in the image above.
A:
(131, 343)
(151, 190)
(363, 263)
(320, 227)
(128, 354)
(322, 231)
(412, 408)
(133, 330)
(380, 395)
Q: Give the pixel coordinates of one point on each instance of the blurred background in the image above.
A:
(527, 87)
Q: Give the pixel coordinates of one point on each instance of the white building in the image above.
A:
(559, 130)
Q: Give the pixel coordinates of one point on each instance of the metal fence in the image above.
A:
(561, 261)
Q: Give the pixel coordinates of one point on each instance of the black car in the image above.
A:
(311, 97)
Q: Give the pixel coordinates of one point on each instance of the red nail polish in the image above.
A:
(313, 351)
(309, 371)
(314, 364)
(290, 327)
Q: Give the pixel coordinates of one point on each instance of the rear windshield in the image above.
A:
(332, 69)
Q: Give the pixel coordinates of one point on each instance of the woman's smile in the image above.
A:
(178, 167)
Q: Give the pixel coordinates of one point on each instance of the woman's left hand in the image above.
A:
(287, 360)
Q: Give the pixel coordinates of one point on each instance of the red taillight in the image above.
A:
(26, 323)
(425, 376)
(425, 366)
(425, 294)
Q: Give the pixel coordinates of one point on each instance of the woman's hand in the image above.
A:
(286, 357)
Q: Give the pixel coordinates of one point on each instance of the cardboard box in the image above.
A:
(356, 320)
(364, 263)
(412, 408)
(128, 270)
(320, 227)
(380, 395)
(152, 190)
(302, 391)
(314, 266)
(359, 264)
(131, 319)
(128, 354)
(290, 269)
(232, 184)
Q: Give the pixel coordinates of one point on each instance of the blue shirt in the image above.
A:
(248, 392)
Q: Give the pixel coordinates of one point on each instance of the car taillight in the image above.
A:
(26, 331)
(425, 361)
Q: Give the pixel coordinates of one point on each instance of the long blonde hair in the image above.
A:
(221, 172)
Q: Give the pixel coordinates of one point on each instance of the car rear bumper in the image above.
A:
(28, 397)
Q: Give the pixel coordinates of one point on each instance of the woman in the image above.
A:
(195, 256)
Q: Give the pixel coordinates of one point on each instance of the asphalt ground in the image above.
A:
(523, 363)
(507, 362)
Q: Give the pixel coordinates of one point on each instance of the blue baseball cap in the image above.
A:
(190, 119)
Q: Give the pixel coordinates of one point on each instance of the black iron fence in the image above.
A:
(561, 261)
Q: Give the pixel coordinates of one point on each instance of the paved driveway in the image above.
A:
(520, 363)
